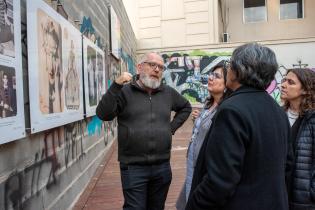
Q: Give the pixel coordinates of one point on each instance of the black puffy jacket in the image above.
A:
(302, 195)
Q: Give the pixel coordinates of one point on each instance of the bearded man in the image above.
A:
(143, 109)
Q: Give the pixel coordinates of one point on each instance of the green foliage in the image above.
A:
(190, 98)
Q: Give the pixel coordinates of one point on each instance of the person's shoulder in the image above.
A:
(232, 101)
(230, 104)
(310, 115)
(167, 87)
(128, 87)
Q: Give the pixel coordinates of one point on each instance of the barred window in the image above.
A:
(255, 11)
(291, 9)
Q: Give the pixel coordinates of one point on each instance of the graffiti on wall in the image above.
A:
(274, 87)
(109, 130)
(62, 147)
(88, 30)
(94, 126)
(114, 72)
(43, 172)
(127, 63)
(187, 72)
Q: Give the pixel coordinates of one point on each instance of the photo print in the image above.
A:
(51, 84)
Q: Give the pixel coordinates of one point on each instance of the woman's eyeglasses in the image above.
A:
(212, 75)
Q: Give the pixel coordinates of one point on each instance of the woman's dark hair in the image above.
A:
(254, 65)
(209, 100)
(307, 78)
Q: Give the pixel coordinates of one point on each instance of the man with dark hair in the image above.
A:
(143, 108)
(241, 165)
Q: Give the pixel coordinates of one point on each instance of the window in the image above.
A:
(291, 9)
(255, 11)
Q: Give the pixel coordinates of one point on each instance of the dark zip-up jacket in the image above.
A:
(144, 121)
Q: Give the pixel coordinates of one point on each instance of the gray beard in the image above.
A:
(148, 82)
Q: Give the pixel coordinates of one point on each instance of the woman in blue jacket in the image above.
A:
(298, 95)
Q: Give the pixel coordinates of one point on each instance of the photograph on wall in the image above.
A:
(50, 74)
(115, 33)
(12, 121)
(94, 75)
(72, 65)
(7, 47)
(7, 92)
(55, 66)
(101, 81)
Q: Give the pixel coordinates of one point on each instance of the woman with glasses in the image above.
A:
(298, 95)
(241, 164)
(202, 121)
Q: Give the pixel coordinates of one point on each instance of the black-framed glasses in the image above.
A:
(155, 65)
(290, 81)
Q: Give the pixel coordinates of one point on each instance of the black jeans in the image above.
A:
(145, 187)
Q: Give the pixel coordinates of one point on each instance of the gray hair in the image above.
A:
(254, 65)
(145, 57)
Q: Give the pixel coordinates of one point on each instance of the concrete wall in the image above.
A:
(164, 23)
(50, 169)
(273, 28)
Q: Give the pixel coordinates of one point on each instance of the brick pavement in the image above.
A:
(104, 190)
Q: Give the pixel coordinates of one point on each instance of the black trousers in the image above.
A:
(145, 187)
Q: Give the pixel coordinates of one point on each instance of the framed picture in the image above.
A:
(55, 68)
(94, 76)
(12, 122)
(115, 34)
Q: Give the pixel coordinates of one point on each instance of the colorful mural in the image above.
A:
(88, 30)
(187, 73)
(128, 62)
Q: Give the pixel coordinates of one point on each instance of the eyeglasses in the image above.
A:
(154, 65)
(290, 81)
(214, 75)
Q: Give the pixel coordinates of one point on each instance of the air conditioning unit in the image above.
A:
(225, 37)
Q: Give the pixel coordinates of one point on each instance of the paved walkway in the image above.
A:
(104, 190)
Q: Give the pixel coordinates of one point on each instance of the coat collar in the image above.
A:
(245, 89)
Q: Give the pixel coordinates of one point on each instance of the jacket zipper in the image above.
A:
(150, 138)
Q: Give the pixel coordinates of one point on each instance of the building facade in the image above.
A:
(194, 35)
